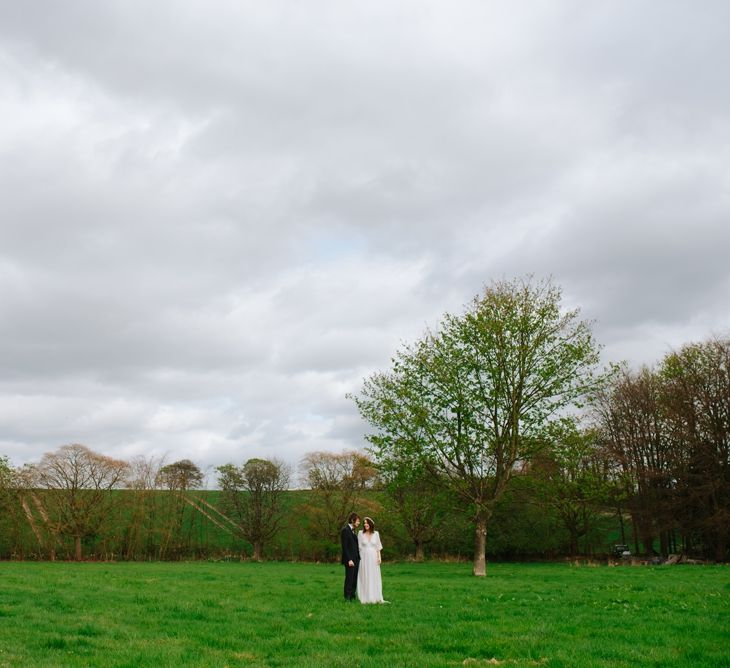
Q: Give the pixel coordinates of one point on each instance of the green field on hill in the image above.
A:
(292, 614)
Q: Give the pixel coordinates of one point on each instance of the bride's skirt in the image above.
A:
(369, 581)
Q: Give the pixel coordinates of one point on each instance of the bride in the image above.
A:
(369, 582)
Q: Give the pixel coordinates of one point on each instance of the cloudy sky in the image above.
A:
(216, 218)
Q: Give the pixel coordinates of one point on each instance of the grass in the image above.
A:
(281, 614)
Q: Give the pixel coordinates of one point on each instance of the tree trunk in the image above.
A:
(574, 550)
(720, 550)
(621, 523)
(664, 543)
(77, 544)
(257, 550)
(480, 548)
(419, 552)
(634, 532)
(647, 536)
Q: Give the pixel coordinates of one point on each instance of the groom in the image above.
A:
(350, 555)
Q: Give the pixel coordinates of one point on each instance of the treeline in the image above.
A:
(647, 467)
(163, 515)
(496, 424)
(666, 433)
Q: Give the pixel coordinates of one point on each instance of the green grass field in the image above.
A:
(282, 614)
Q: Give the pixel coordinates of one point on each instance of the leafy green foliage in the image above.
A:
(572, 476)
(422, 503)
(474, 399)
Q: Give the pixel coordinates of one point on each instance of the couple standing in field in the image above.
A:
(361, 559)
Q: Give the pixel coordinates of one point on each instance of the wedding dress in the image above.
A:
(369, 582)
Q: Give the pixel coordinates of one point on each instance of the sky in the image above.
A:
(217, 218)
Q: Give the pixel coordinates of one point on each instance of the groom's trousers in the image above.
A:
(351, 580)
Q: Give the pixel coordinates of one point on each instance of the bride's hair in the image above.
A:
(371, 524)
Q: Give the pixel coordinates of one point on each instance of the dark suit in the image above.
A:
(350, 552)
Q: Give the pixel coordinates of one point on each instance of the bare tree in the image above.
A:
(142, 531)
(337, 481)
(635, 435)
(669, 430)
(27, 508)
(79, 483)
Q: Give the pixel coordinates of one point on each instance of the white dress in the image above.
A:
(369, 582)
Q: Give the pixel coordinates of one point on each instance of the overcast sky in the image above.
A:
(216, 218)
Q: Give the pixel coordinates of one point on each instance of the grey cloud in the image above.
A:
(218, 219)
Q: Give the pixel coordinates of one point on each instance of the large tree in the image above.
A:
(635, 436)
(473, 399)
(79, 483)
(696, 381)
(253, 494)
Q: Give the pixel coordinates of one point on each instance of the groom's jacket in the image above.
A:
(350, 550)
